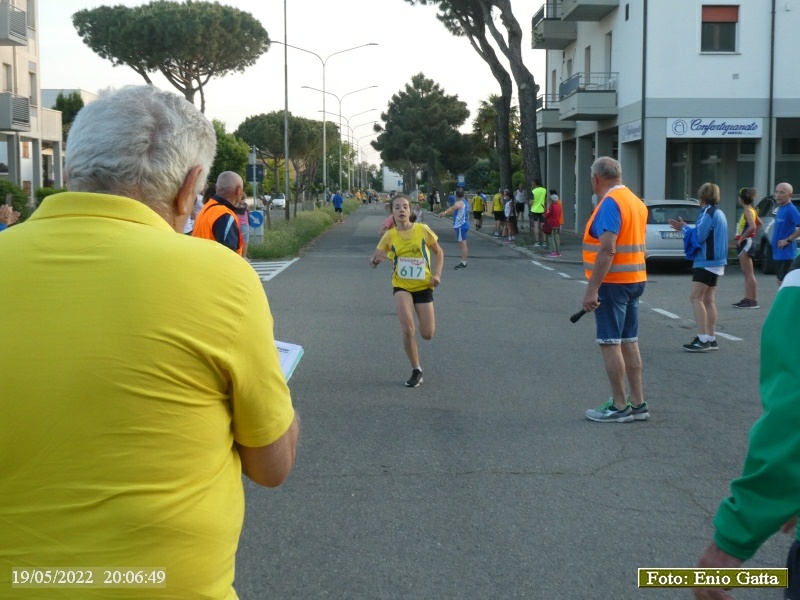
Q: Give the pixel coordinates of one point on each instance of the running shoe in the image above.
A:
(641, 412)
(554, 255)
(416, 378)
(746, 303)
(608, 413)
(697, 346)
(713, 345)
(460, 266)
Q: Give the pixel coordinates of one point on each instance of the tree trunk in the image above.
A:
(431, 169)
(476, 33)
(503, 108)
(526, 85)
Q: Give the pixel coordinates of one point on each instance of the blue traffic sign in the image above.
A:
(256, 219)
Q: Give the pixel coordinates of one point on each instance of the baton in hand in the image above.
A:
(576, 317)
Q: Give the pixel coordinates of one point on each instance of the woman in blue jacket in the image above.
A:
(710, 258)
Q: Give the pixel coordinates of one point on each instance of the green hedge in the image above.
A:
(287, 238)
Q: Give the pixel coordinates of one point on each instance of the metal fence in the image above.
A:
(550, 10)
(588, 82)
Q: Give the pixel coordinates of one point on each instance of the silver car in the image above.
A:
(766, 209)
(662, 241)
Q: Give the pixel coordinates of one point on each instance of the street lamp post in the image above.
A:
(358, 145)
(362, 137)
(369, 87)
(350, 138)
(324, 62)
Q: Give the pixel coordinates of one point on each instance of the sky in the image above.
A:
(410, 40)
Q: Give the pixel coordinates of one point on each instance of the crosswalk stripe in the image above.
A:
(269, 269)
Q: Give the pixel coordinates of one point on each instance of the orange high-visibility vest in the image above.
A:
(206, 218)
(628, 265)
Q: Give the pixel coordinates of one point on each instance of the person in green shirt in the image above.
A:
(537, 214)
(766, 498)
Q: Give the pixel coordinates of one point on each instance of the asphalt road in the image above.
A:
(487, 481)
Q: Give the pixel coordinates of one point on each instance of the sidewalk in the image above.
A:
(571, 242)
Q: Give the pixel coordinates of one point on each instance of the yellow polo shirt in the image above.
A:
(132, 358)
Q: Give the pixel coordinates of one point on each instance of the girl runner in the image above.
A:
(412, 279)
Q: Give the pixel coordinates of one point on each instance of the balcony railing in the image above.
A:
(547, 102)
(550, 10)
(15, 112)
(13, 25)
(588, 82)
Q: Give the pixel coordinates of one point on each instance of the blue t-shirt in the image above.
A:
(608, 218)
(451, 199)
(787, 219)
(337, 201)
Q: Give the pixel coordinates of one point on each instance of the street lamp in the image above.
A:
(350, 138)
(356, 127)
(358, 145)
(324, 62)
(308, 87)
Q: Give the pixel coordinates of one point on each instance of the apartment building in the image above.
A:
(31, 156)
(680, 92)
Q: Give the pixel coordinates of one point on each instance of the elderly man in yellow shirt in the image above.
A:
(156, 382)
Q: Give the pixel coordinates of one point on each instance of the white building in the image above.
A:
(49, 96)
(680, 92)
(32, 134)
(392, 180)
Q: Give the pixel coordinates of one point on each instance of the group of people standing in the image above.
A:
(764, 499)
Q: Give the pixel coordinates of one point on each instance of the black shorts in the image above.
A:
(500, 216)
(519, 207)
(337, 210)
(746, 246)
(477, 214)
(782, 267)
(537, 217)
(420, 297)
(705, 276)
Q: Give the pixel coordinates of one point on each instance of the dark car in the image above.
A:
(763, 241)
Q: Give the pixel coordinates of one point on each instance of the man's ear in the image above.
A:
(183, 204)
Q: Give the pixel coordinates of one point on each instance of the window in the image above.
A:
(790, 146)
(587, 63)
(34, 90)
(718, 32)
(31, 14)
(26, 149)
(627, 11)
(7, 78)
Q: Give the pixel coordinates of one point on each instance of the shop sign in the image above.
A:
(630, 132)
(714, 128)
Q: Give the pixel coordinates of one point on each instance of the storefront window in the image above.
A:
(678, 177)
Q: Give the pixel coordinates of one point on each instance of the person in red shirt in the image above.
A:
(553, 218)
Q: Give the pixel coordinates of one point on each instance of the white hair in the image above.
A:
(139, 142)
(227, 182)
(606, 167)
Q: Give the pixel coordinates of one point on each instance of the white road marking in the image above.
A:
(269, 269)
(538, 264)
(565, 275)
(665, 313)
(729, 337)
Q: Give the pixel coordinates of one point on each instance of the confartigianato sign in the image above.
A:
(714, 128)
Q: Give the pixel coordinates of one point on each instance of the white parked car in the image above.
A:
(662, 241)
(279, 201)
